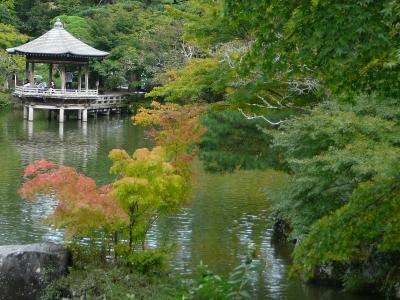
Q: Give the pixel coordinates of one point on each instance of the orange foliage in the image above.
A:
(176, 128)
(82, 206)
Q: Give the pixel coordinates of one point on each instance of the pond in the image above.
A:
(227, 213)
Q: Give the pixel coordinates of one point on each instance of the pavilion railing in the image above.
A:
(22, 91)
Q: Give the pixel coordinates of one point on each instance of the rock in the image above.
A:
(281, 230)
(26, 270)
(397, 290)
(327, 275)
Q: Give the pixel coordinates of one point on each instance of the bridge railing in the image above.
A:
(107, 101)
(22, 91)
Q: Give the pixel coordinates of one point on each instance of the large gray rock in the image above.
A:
(26, 270)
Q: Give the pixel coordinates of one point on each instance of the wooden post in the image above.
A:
(62, 77)
(27, 77)
(50, 72)
(32, 79)
(87, 77)
(80, 78)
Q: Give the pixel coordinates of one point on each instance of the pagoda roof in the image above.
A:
(58, 43)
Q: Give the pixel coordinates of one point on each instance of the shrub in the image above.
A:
(5, 101)
(212, 286)
(147, 261)
(109, 281)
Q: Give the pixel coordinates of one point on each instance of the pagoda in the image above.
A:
(59, 48)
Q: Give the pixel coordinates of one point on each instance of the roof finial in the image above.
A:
(58, 24)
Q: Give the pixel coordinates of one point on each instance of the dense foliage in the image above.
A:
(342, 200)
(351, 46)
(311, 82)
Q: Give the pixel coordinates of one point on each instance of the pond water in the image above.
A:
(227, 212)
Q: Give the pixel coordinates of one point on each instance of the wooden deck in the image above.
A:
(60, 101)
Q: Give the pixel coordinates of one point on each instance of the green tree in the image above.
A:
(203, 79)
(34, 16)
(148, 187)
(7, 13)
(77, 26)
(142, 41)
(9, 65)
(9, 36)
(343, 162)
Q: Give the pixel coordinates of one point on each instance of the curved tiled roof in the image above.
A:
(58, 42)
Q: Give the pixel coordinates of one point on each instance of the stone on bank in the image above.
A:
(26, 270)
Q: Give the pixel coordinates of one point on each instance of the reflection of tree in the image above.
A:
(10, 165)
(228, 212)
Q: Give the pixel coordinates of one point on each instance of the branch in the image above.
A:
(187, 51)
(254, 116)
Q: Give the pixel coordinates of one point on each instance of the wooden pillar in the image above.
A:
(79, 114)
(32, 74)
(27, 76)
(50, 72)
(87, 77)
(30, 113)
(84, 115)
(80, 78)
(61, 115)
(62, 77)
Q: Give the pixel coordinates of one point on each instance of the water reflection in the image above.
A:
(227, 213)
(30, 129)
(61, 131)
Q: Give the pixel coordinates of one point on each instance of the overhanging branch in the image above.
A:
(254, 116)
